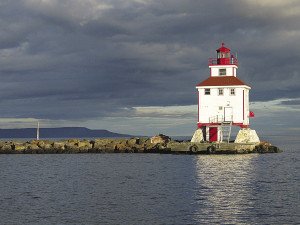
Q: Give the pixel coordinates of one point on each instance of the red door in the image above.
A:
(213, 134)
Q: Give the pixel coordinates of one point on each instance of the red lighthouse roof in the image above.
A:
(222, 81)
(223, 49)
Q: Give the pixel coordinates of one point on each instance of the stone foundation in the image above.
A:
(198, 136)
(247, 136)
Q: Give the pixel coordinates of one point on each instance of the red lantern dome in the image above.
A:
(224, 57)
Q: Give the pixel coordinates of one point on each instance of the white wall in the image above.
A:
(209, 104)
(230, 70)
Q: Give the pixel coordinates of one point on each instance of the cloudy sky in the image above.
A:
(131, 66)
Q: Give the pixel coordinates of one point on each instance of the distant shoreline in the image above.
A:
(58, 133)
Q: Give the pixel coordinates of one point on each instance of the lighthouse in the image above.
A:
(223, 98)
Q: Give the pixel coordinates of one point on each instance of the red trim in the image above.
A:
(218, 124)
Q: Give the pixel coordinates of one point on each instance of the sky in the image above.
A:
(131, 66)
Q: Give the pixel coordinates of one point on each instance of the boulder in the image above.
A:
(122, 147)
(266, 147)
(84, 144)
(58, 146)
(20, 148)
(101, 143)
(7, 148)
(160, 139)
(133, 141)
(33, 147)
(105, 145)
(71, 146)
(47, 147)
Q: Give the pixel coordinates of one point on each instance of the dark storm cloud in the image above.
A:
(84, 59)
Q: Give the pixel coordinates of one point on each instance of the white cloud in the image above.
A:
(265, 108)
(166, 111)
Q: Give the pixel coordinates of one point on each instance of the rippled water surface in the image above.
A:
(151, 188)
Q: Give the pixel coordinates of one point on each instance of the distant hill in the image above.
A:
(61, 132)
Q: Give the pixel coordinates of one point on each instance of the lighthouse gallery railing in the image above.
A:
(223, 61)
(220, 119)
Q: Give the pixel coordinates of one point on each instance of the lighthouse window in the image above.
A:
(232, 91)
(207, 91)
(222, 72)
(221, 91)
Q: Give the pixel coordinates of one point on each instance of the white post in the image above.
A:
(38, 131)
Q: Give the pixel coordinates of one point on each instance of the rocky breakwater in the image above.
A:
(132, 145)
(156, 144)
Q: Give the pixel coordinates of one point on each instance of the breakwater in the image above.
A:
(132, 145)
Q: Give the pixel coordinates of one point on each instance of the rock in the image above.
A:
(122, 147)
(59, 147)
(160, 139)
(71, 146)
(33, 147)
(266, 147)
(84, 144)
(44, 144)
(7, 148)
(133, 141)
(2, 144)
(198, 136)
(101, 143)
(20, 148)
(35, 142)
(105, 145)
(47, 147)
(73, 141)
(265, 144)
(246, 135)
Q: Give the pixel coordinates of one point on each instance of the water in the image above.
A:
(151, 188)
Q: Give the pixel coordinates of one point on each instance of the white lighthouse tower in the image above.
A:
(223, 99)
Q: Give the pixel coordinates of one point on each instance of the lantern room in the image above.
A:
(224, 57)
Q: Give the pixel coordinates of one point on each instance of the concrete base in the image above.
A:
(246, 135)
(198, 136)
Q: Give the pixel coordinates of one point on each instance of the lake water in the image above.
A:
(151, 188)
